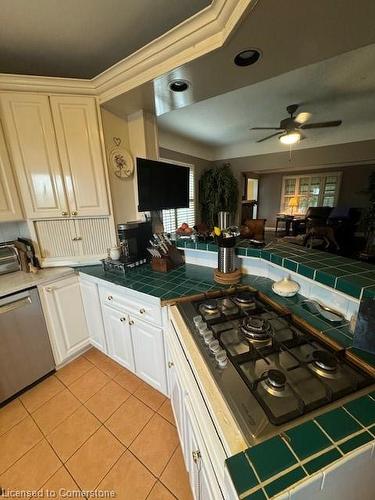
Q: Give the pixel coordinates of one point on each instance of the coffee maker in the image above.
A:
(134, 239)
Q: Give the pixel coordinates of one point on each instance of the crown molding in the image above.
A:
(205, 31)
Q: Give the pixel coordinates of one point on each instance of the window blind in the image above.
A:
(173, 218)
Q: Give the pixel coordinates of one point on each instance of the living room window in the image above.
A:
(299, 192)
(172, 219)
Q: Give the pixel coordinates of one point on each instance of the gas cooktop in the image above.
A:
(268, 369)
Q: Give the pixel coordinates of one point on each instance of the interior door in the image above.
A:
(78, 138)
(118, 335)
(31, 137)
(10, 207)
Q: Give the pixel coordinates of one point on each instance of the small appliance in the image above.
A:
(134, 239)
(9, 260)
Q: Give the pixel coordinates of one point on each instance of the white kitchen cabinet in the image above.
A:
(30, 134)
(93, 313)
(10, 207)
(77, 132)
(118, 335)
(63, 310)
(176, 394)
(149, 353)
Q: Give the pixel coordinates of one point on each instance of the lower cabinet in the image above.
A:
(93, 313)
(119, 340)
(63, 310)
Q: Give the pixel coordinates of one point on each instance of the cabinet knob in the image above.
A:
(170, 364)
(131, 322)
(122, 320)
(64, 214)
(196, 454)
(109, 297)
(49, 289)
(142, 311)
(74, 212)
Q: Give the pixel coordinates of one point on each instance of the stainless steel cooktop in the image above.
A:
(269, 370)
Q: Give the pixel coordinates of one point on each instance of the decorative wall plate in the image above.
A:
(121, 160)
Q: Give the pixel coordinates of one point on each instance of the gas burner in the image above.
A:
(276, 379)
(256, 328)
(324, 361)
(245, 300)
(229, 307)
(210, 306)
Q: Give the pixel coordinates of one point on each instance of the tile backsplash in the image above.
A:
(13, 230)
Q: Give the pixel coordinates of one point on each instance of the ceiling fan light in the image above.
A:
(290, 137)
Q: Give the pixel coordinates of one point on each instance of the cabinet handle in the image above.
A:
(122, 320)
(109, 297)
(196, 454)
(49, 289)
(77, 238)
(131, 322)
(170, 364)
(74, 212)
(142, 311)
(64, 214)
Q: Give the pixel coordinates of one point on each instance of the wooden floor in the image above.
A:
(92, 425)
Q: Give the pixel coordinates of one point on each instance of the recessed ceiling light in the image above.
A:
(179, 85)
(247, 57)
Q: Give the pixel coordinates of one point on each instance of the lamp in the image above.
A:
(293, 203)
(290, 137)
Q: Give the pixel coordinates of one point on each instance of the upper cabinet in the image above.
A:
(77, 133)
(57, 154)
(30, 133)
(10, 208)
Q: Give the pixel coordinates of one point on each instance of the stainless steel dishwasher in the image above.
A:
(25, 349)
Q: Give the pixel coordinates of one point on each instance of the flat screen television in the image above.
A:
(161, 185)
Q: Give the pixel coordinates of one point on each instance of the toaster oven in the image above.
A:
(9, 260)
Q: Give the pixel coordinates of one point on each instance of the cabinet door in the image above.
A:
(149, 354)
(93, 313)
(30, 134)
(177, 399)
(118, 336)
(66, 321)
(10, 208)
(78, 139)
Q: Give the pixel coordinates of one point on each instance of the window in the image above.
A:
(172, 219)
(299, 192)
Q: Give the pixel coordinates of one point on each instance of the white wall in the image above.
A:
(13, 230)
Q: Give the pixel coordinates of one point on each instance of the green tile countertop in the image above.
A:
(349, 276)
(269, 468)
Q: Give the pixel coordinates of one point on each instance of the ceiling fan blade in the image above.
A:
(334, 123)
(303, 117)
(265, 128)
(269, 136)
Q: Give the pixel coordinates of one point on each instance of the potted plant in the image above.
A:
(218, 191)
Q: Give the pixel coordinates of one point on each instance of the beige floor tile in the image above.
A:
(160, 492)
(17, 441)
(55, 411)
(93, 460)
(129, 479)
(41, 393)
(61, 482)
(107, 400)
(128, 380)
(73, 432)
(108, 366)
(128, 421)
(72, 371)
(155, 444)
(93, 355)
(166, 411)
(89, 384)
(32, 470)
(175, 477)
(11, 414)
(150, 396)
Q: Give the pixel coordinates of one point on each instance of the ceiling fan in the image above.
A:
(290, 129)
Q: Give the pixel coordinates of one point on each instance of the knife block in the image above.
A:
(167, 262)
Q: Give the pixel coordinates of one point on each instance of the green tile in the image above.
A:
(240, 471)
(368, 292)
(307, 439)
(257, 495)
(306, 271)
(271, 457)
(253, 252)
(363, 409)
(322, 461)
(356, 442)
(201, 246)
(372, 430)
(241, 251)
(266, 255)
(190, 244)
(212, 247)
(338, 336)
(325, 278)
(366, 356)
(290, 264)
(285, 482)
(276, 259)
(345, 286)
(338, 424)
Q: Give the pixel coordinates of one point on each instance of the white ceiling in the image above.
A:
(82, 38)
(342, 87)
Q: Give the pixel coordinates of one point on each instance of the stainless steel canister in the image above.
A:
(226, 259)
